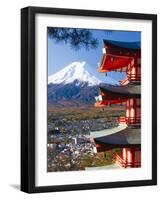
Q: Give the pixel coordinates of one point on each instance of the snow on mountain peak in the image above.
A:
(74, 71)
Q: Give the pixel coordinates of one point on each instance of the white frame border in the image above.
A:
(42, 178)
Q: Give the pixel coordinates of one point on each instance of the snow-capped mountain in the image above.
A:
(77, 71)
(75, 85)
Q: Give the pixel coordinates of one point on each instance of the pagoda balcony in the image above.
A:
(131, 78)
(125, 163)
(101, 104)
(124, 81)
(102, 101)
(105, 103)
(134, 77)
(129, 120)
(133, 120)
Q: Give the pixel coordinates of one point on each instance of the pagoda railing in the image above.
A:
(109, 102)
(130, 120)
(134, 77)
(124, 163)
(131, 77)
(133, 120)
(124, 81)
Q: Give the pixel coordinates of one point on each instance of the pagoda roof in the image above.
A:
(124, 45)
(119, 56)
(105, 132)
(129, 90)
(112, 62)
(118, 137)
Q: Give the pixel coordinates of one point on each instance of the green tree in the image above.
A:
(75, 37)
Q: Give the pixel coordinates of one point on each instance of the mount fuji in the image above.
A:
(75, 85)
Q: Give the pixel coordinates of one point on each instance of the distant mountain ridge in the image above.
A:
(74, 85)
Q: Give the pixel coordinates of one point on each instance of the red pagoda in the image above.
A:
(122, 57)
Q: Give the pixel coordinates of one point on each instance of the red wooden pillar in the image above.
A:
(131, 157)
(124, 157)
(128, 157)
(130, 110)
(133, 111)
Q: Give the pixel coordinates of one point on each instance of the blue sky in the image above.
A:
(61, 54)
